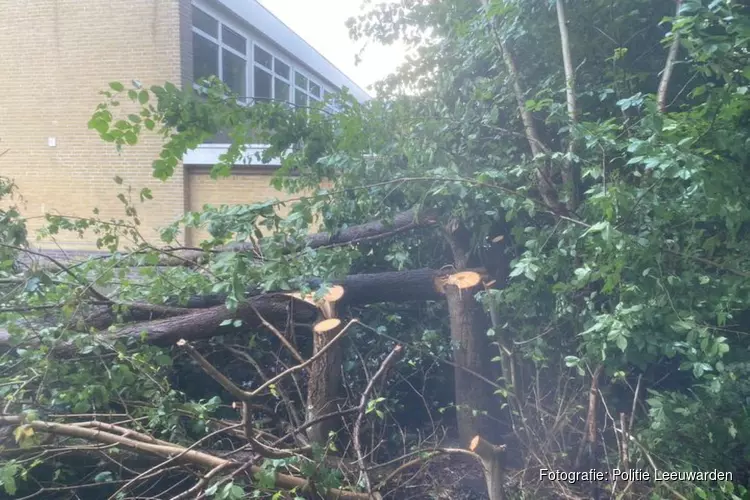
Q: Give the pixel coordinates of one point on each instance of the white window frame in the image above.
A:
(272, 72)
(250, 64)
(244, 96)
(310, 79)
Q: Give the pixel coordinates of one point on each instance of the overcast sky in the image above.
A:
(321, 24)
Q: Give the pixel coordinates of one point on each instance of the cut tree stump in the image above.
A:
(323, 386)
(492, 458)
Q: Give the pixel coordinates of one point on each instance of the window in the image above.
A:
(271, 76)
(305, 90)
(205, 23)
(205, 57)
(234, 71)
(262, 84)
(219, 51)
(233, 39)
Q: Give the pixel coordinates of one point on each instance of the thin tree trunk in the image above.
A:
(666, 75)
(571, 171)
(543, 175)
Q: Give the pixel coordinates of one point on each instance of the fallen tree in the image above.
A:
(369, 231)
(202, 314)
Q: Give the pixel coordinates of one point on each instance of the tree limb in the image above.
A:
(389, 360)
(666, 75)
(571, 172)
(369, 231)
(180, 454)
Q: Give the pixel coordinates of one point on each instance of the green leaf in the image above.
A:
(103, 477)
(571, 361)
(116, 86)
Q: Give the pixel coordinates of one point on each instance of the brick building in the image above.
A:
(56, 56)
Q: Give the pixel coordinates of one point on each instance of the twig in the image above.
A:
(198, 458)
(589, 436)
(62, 267)
(361, 413)
(279, 335)
(304, 363)
(202, 482)
(215, 374)
(172, 459)
(635, 402)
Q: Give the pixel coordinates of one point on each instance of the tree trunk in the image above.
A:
(359, 289)
(400, 286)
(323, 386)
(492, 458)
(476, 403)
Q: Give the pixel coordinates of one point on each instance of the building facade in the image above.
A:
(57, 55)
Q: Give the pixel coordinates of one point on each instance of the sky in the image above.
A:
(321, 24)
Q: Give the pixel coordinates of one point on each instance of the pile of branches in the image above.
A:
(315, 451)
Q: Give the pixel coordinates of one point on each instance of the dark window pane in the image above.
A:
(300, 98)
(315, 89)
(281, 90)
(263, 58)
(262, 84)
(234, 72)
(205, 57)
(300, 80)
(233, 39)
(205, 23)
(282, 69)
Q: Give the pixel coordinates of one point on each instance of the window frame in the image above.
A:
(272, 72)
(310, 79)
(244, 96)
(251, 41)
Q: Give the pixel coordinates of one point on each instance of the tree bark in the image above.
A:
(492, 458)
(397, 286)
(323, 386)
(476, 403)
(360, 289)
(571, 171)
(662, 92)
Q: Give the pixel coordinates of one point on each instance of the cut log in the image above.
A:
(324, 383)
(464, 280)
(492, 458)
(475, 402)
(334, 294)
(476, 405)
(360, 289)
(327, 325)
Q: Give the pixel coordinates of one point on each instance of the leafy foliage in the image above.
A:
(647, 277)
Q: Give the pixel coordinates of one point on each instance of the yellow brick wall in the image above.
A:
(246, 185)
(55, 56)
